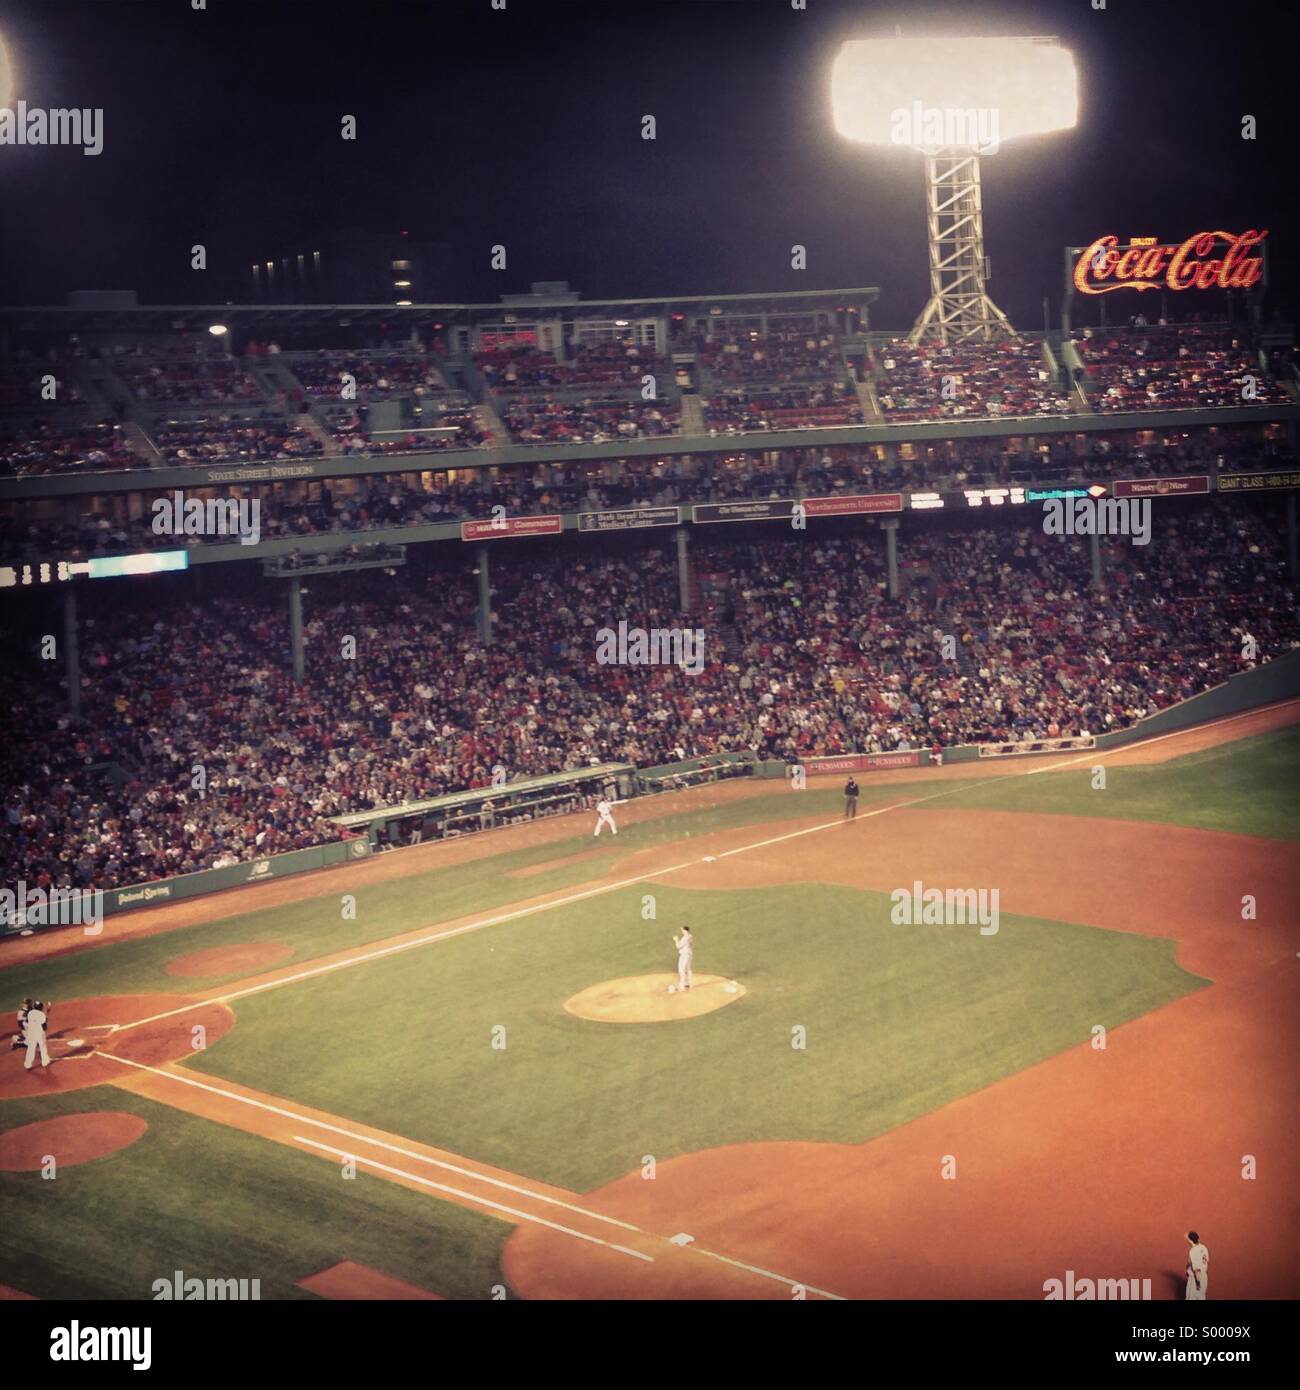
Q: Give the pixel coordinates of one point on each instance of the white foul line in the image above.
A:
(478, 1201)
(186, 1080)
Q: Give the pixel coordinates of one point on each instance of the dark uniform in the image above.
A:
(850, 799)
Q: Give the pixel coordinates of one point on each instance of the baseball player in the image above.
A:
(1198, 1269)
(604, 816)
(685, 957)
(850, 800)
(34, 1032)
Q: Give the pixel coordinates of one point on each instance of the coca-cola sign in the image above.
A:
(1206, 261)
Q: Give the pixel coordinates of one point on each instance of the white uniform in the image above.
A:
(1198, 1267)
(685, 958)
(604, 816)
(34, 1032)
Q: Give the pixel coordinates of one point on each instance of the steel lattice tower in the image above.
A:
(959, 309)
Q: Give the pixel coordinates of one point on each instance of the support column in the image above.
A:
(891, 553)
(484, 598)
(683, 569)
(295, 629)
(1290, 535)
(1094, 553)
(71, 656)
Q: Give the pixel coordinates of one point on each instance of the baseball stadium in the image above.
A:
(699, 796)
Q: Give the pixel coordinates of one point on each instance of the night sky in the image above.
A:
(523, 127)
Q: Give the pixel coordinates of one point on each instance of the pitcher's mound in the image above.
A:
(645, 999)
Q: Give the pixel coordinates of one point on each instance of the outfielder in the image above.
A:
(34, 1032)
(685, 958)
(1198, 1269)
(604, 816)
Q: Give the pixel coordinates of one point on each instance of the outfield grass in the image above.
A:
(1248, 787)
(217, 1203)
(899, 1020)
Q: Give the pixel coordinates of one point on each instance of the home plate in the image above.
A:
(730, 987)
(681, 1239)
(710, 858)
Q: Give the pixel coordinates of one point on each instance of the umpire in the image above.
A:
(850, 799)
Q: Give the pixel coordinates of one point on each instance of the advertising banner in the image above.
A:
(629, 518)
(502, 527)
(1255, 482)
(783, 509)
(860, 762)
(1160, 487)
(1204, 261)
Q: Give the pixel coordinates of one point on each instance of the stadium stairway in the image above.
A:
(312, 426)
(140, 443)
(871, 411)
(492, 422)
(692, 414)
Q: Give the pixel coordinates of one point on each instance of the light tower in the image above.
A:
(954, 100)
(7, 82)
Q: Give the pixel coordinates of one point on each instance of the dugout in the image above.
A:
(486, 808)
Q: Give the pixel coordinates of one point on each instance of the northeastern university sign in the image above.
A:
(1206, 261)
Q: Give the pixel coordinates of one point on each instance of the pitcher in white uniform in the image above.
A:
(685, 957)
(1198, 1269)
(34, 1032)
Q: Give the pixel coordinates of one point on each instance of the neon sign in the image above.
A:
(1146, 265)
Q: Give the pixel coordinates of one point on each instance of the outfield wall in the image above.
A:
(1265, 685)
(166, 890)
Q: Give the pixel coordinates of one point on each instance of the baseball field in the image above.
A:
(456, 1070)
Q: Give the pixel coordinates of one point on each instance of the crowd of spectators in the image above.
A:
(1167, 367)
(743, 410)
(372, 377)
(556, 420)
(808, 656)
(194, 380)
(523, 367)
(445, 423)
(932, 381)
(793, 355)
(222, 438)
(53, 446)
